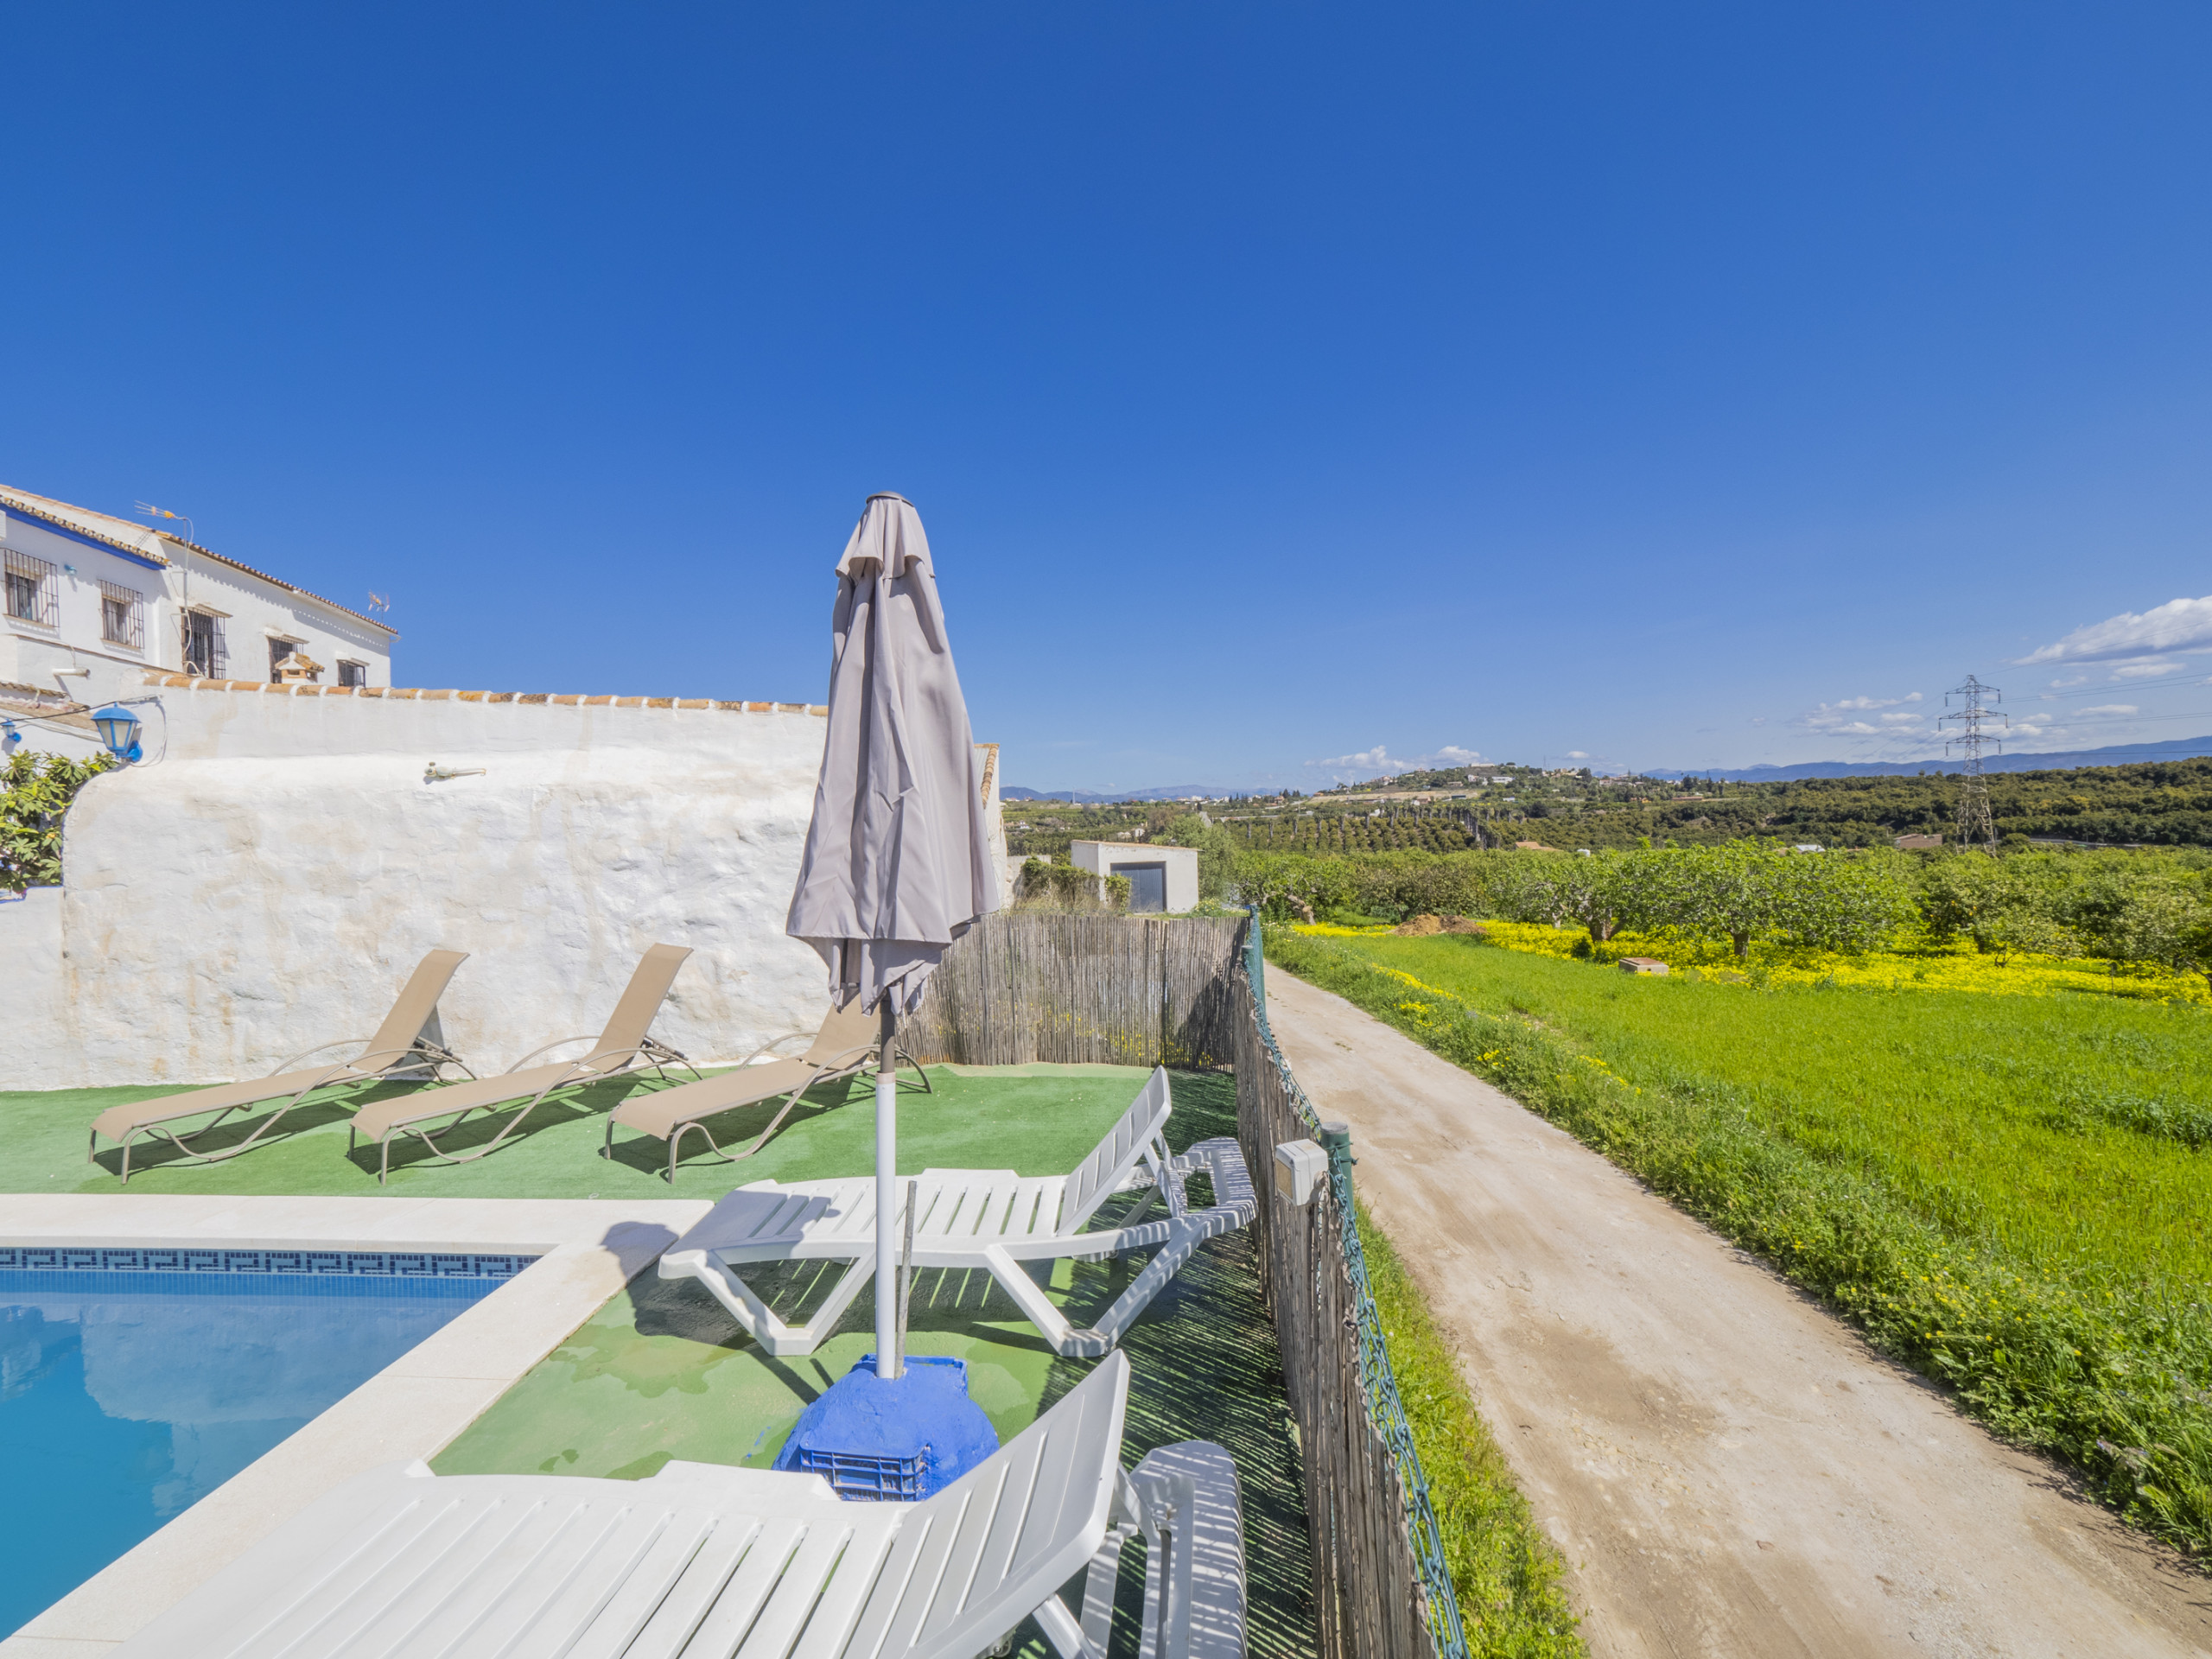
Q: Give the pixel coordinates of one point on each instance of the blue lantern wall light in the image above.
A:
(119, 729)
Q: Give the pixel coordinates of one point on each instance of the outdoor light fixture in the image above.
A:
(10, 736)
(118, 730)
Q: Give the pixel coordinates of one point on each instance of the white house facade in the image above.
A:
(90, 603)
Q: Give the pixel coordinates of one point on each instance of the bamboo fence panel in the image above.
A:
(1027, 985)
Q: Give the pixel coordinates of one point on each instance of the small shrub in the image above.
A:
(1066, 887)
(35, 790)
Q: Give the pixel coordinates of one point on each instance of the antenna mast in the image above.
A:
(1977, 827)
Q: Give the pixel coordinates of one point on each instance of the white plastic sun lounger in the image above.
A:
(988, 1219)
(704, 1561)
(401, 1048)
(1183, 1498)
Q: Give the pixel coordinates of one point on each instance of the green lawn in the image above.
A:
(2008, 1193)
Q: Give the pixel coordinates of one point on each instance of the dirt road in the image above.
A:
(1727, 1468)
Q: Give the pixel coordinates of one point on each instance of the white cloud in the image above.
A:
(2111, 708)
(2133, 671)
(1873, 702)
(2178, 625)
(1840, 719)
(1578, 755)
(2083, 679)
(1379, 762)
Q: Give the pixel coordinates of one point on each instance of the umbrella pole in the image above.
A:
(889, 1362)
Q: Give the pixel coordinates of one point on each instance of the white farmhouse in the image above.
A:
(89, 603)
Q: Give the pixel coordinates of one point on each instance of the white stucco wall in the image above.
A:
(273, 876)
(30, 967)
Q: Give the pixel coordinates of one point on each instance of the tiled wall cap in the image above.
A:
(415, 694)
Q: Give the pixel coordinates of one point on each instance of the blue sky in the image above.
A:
(1670, 385)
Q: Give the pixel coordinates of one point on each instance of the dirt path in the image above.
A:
(1727, 1468)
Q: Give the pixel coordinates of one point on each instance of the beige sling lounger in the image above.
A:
(624, 1046)
(400, 1048)
(848, 1042)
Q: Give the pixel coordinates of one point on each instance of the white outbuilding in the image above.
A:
(1160, 878)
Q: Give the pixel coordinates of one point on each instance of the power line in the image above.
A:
(1977, 825)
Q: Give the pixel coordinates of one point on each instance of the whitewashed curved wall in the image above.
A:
(273, 874)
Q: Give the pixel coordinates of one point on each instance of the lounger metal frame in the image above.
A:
(646, 1055)
(852, 1062)
(416, 1055)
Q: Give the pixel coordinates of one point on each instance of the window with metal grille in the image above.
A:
(33, 596)
(122, 616)
(352, 673)
(205, 652)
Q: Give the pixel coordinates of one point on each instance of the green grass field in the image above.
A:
(2007, 1193)
(1991, 1118)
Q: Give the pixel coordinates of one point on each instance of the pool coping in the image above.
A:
(586, 1250)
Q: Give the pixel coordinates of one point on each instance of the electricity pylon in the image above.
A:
(1977, 827)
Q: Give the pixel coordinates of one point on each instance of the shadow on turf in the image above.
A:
(212, 1142)
(457, 1141)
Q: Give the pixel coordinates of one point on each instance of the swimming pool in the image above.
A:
(134, 1382)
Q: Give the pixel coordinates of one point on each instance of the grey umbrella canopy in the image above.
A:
(897, 863)
(897, 857)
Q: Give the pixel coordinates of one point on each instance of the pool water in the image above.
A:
(127, 1397)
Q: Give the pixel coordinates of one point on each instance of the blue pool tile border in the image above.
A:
(167, 1258)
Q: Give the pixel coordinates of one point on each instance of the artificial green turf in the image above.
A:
(661, 1371)
(1936, 1171)
(1033, 1120)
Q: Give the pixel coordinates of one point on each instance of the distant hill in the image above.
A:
(2119, 755)
(1086, 797)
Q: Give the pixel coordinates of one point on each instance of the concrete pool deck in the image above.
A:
(580, 1366)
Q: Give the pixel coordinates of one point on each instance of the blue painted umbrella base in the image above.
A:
(901, 1439)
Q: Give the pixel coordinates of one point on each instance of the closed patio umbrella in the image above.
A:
(897, 864)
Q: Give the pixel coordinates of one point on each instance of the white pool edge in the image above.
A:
(587, 1249)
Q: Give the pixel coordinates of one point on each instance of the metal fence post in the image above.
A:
(1335, 1141)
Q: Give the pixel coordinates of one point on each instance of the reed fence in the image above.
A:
(1029, 985)
(1382, 1588)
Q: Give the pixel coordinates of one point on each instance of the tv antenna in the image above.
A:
(1977, 826)
(378, 601)
(191, 535)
